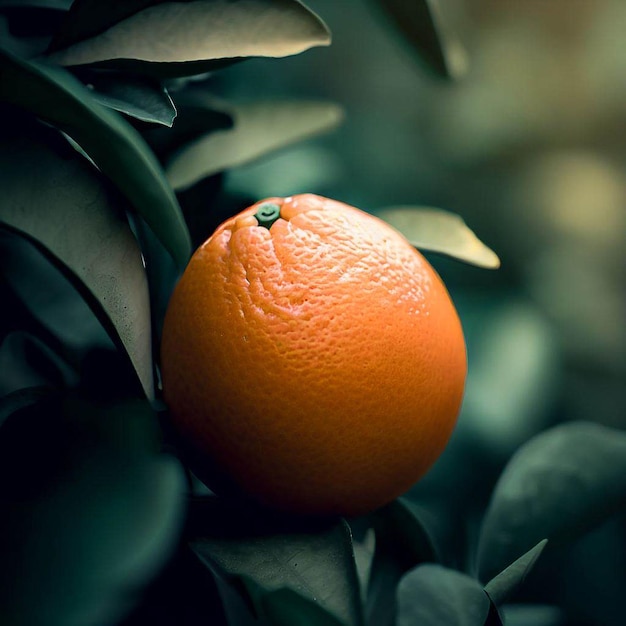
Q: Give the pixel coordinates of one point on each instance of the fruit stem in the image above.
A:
(267, 214)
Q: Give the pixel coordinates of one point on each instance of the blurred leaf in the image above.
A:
(505, 584)
(503, 406)
(89, 516)
(28, 28)
(442, 232)
(557, 486)
(116, 148)
(402, 542)
(61, 5)
(192, 122)
(267, 555)
(185, 37)
(26, 361)
(55, 198)
(421, 22)
(431, 595)
(533, 614)
(137, 96)
(259, 128)
(19, 399)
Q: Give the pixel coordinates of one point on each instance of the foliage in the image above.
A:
(106, 147)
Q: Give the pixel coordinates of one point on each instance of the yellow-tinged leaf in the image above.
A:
(259, 128)
(440, 231)
(182, 32)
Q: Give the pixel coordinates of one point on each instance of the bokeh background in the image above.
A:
(529, 148)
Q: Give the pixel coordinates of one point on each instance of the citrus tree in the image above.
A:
(114, 139)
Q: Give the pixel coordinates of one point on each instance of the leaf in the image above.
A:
(502, 586)
(47, 304)
(192, 122)
(535, 614)
(56, 199)
(421, 22)
(442, 232)
(558, 485)
(89, 513)
(285, 607)
(184, 37)
(314, 561)
(19, 399)
(259, 128)
(402, 542)
(116, 148)
(60, 5)
(27, 361)
(136, 96)
(431, 595)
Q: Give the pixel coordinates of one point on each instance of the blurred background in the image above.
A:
(529, 148)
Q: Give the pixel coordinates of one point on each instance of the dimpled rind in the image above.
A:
(320, 364)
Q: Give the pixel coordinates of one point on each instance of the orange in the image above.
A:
(317, 361)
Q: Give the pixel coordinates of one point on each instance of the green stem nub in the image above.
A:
(267, 214)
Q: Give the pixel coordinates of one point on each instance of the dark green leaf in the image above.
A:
(116, 148)
(59, 201)
(442, 232)
(60, 5)
(431, 595)
(184, 37)
(402, 542)
(89, 514)
(26, 361)
(184, 594)
(27, 29)
(57, 310)
(19, 399)
(259, 128)
(557, 486)
(314, 561)
(533, 614)
(16, 38)
(505, 584)
(421, 23)
(192, 122)
(285, 607)
(137, 96)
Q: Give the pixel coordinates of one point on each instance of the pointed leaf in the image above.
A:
(313, 561)
(56, 198)
(558, 485)
(184, 37)
(140, 97)
(260, 128)
(442, 232)
(402, 542)
(431, 595)
(116, 148)
(423, 26)
(502, 586)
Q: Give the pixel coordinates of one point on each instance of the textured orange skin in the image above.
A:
(320, 364)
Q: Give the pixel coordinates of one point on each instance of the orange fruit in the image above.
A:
(317, 360)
